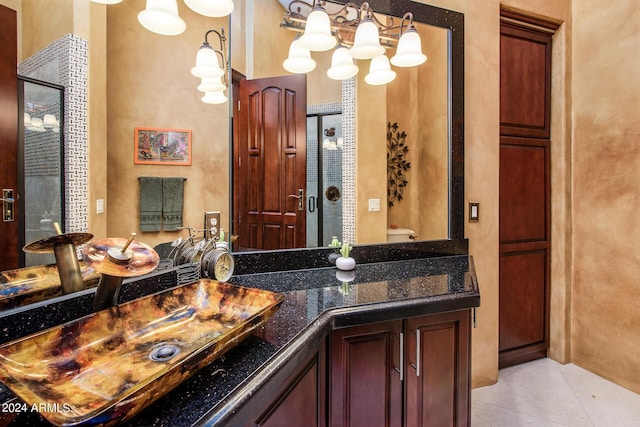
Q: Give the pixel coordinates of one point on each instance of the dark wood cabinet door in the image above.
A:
(365, 388)
(525, 187)
(437, 378)
(301, 401)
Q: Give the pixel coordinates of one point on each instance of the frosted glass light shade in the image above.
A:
(161, 17)
(207, 64)
(214, 98)
(317, 33)
(409, 51)
(49, 121)
(380, 72)
(36, 125)
(342, 66)
(107, 1)
(211, 84)
(299, 60)
(213, 8)
(367, 41)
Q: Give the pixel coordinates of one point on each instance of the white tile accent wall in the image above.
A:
(349, 160)
(64, 62)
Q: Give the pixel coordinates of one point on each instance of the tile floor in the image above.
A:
(544, 393)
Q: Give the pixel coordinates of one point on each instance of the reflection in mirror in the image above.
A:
(131, 87)
(42, 163)
(418, 100)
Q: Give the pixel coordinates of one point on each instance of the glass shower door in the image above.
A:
(41, 163)
(324, 178)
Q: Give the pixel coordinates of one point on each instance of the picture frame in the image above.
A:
(162, 146)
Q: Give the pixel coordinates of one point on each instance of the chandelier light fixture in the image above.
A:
(356, 33)
(211, 66)
(161, 16)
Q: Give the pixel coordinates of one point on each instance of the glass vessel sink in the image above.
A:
(108, 366)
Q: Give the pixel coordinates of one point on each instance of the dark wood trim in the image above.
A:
(509, 15)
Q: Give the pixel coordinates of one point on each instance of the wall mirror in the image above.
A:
(328, 100)
(424, 103)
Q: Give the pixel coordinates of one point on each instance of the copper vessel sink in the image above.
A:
(31, 284)
(106, 367)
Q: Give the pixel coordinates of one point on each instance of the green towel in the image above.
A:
(150, 203)
(172, 201)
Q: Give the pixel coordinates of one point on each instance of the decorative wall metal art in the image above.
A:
(397, 165)
(154, 146)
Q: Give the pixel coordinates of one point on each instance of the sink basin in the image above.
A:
(108, 366)
(31, 284)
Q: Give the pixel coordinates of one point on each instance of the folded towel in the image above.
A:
(172, 202)
(150, 203)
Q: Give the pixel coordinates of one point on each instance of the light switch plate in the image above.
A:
(374, 205)
(100, 206)
(474, 211)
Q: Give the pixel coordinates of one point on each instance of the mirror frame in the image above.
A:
(456, 243)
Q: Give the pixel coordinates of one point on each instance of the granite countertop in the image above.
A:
(316, 301)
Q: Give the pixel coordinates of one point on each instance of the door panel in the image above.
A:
(522, 299)
(9, 229)
(365, 388)
(437, 388)
(270, 166)
(525, 82)
(523, 189)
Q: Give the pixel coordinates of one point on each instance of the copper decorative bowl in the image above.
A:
(106, 367)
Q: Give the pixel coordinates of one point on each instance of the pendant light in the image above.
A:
(161, 17)
(299, 60)
(207, 64)
(214, 98)
(367, 40)
(342, 66)
(317, 34)
(211, 84)
(212, 8)
(380, 72)
(409, 51)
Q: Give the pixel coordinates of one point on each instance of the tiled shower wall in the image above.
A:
(64, 62)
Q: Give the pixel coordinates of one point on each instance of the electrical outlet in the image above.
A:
(211, 225)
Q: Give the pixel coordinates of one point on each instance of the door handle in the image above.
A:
(7, 204)
(300, 197)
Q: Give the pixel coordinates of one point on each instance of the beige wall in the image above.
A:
(606, 193)
(482, 85)
(423, 114)
(149, 84)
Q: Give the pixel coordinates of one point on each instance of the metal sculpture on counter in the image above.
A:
(115, 259)
(64, 248)
(397, 164)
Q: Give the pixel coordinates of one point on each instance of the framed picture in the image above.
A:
(157, 146)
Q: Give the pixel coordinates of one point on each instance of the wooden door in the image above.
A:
(9, 228)
(270, 163)
(365, 388)
(525, 202)
(437, 379)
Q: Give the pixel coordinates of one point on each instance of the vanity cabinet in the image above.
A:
(412, 372)
(300, 399)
